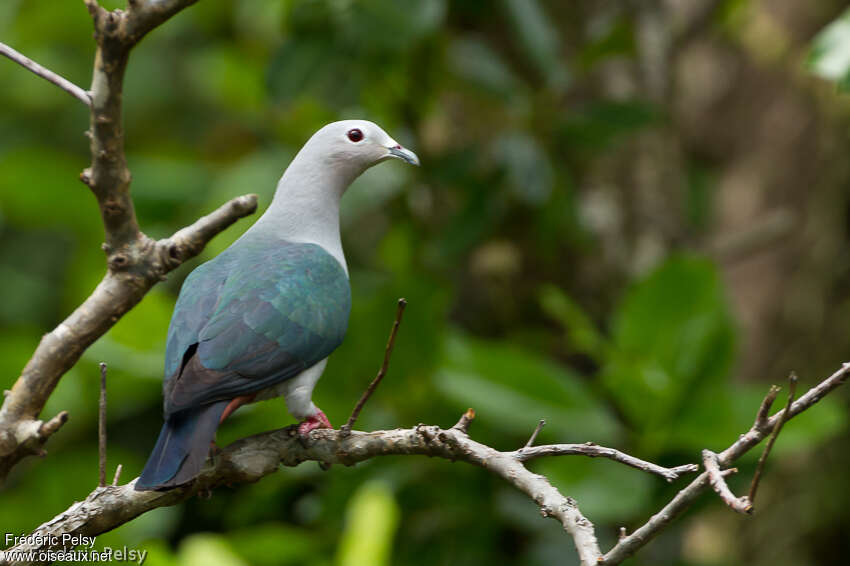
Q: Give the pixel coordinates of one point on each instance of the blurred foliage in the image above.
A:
(830, 53)
(493, 241)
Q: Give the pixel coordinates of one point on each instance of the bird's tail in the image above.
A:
(182, 448)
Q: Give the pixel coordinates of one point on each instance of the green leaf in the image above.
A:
(600, 125)
(511, 389)
(829, 56)
(672, 335)
(812, 427)
(275, 544)
(158, 553)
(410, 21)
(371, 522)
(539, 38)
(472, 60)
(581, 333)
(607, 491)
(206, 548)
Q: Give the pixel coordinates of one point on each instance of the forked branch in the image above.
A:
(135, 262)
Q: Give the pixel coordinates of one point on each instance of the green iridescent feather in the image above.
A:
(259, 313)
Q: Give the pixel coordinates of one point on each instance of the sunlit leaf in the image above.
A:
(203, 549)
(830, 52)
(371, 521)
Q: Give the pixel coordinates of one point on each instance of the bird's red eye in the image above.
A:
(355, 135)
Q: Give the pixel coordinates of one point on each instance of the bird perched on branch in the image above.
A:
(260, 319)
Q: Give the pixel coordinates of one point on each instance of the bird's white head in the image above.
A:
(305, 207)
(352, 146)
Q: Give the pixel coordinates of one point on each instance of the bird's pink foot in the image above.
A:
(319, 420)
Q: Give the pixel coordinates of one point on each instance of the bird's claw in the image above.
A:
(311, 423)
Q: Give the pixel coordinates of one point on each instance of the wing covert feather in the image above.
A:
(270, 310)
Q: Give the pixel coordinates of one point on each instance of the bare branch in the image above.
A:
(145, 15)
(53, 424)
(465, 420)
(190, 241)
(534, 434)
(630, 544)
(792, 389)
(718, 484)
(20, 433)
(135, 262)
(812, 396)
(117, 475)
(45, 74)
(595, 451)
(744, 444)
(346, 428)
(766, 404)
(250, 459)
(25, 437)
(101, 427)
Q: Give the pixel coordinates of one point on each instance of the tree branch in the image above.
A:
(719, 485)
(761, 428)
(135, 262)
(21, 434)
(101, 428)
(540, 424)
(45, 74)
(792, 389)
(595, 451)
(381, 372)
(250, 459)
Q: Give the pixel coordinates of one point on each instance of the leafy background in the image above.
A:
(625, 224)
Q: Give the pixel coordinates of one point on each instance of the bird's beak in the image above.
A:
(404, 154)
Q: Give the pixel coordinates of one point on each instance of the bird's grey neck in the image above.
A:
(305, 208)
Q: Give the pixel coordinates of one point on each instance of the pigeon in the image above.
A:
(259, 320)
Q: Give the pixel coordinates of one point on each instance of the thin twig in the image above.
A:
(719, 485)
(526, 454)
(54, 424)
(101, 426)
(45, 73)
(249, 459)
(117, 475)
(766, 404)
(534, 434)
(629, 544)
(642, 535)
(792, 388)
(135, 262)
(466, 418)
(62, 348)
(346, 428)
